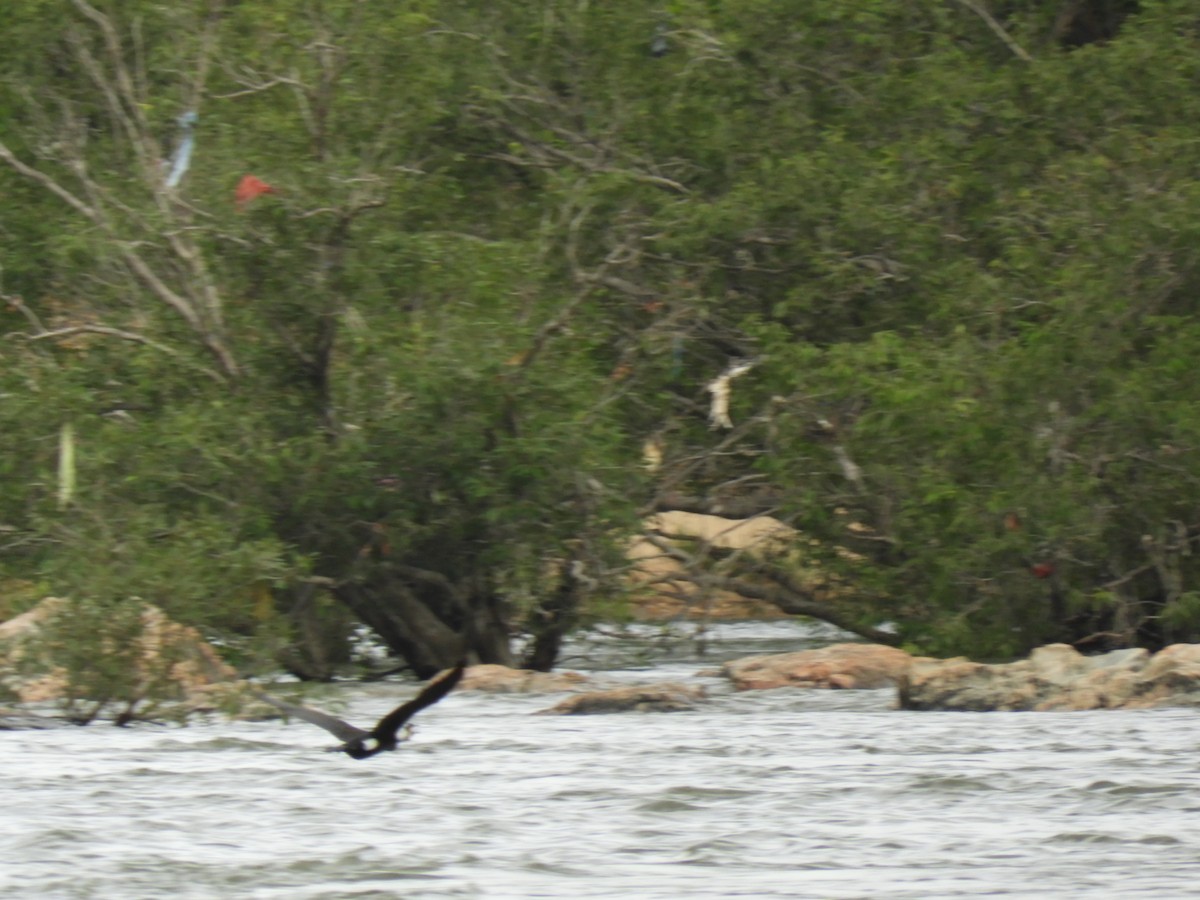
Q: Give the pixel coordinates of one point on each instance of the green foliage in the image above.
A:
(508, 245)
(1184, 613)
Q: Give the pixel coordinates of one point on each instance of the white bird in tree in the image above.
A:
(718, 411)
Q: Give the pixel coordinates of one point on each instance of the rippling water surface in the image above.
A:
(782, 793)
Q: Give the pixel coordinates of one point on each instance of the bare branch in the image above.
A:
(116, 108)
(101, 329)
(997, 29)
(256, 88)
(796, 604)
(18, 304)
(125, 84)
(51, 185)
(345, 215)
(41, 333)
(548, 152)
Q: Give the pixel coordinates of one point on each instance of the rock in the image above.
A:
(663, 597)
(1058, 677)
(663, 697)
(835, 666)
(503, 680)
(167, 652)
(28, 621)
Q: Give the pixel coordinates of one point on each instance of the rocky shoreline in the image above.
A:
(1057, 677)
(1053, 677)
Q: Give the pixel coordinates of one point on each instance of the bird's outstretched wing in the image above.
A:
(344, 731)
(386, 730)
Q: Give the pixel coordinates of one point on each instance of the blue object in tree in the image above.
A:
(183, 153)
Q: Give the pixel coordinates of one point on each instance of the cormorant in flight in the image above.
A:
(361, 744)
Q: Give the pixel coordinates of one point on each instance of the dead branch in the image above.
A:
(796, 604)
(997, 29)
(101, 329)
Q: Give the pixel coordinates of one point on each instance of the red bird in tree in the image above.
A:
(249, 188)
(1042, 570)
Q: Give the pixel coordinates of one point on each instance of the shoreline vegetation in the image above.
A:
(905, 290)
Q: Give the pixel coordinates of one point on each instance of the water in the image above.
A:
(786, 793)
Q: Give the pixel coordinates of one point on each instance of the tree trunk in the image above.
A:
(423, 625)
(320, 636)
(557, 616)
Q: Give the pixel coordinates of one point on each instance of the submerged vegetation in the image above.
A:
(468, 323)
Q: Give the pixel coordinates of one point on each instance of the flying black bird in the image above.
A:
(361, 744)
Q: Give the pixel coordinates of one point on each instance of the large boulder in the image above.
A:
(835, 666)
(171, 658)
(662, 697)
(1057, 677)
(664, 591)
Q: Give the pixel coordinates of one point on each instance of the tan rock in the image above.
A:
(835, 666)
(503, 680)
(1057, 677)
(1180, 658)
(662, 697)
(170, 653)
(29, 620)
(732, 534)
(665, 598)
